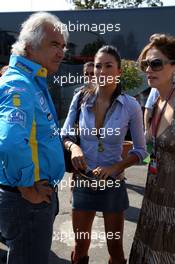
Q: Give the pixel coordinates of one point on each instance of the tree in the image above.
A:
(135, 3)
(89, 4)
(92, 4)
(131, 77)
(90, 49)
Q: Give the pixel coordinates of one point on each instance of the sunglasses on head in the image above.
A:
(89, 74)
(155, 64)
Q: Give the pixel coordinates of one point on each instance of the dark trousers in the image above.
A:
(27, 228)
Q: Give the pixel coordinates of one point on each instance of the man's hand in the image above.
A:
(37, 193)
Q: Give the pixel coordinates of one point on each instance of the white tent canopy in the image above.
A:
(45, 5)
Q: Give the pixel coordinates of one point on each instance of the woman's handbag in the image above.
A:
(67, 153)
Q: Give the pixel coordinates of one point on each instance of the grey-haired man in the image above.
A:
(31, 155)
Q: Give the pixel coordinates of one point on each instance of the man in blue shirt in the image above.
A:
(31, 155)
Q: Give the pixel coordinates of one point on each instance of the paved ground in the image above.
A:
(62, 246)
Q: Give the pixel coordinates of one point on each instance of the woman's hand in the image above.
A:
(77, 158)
(105, 172)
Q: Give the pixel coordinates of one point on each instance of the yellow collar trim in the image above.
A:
(42, 72)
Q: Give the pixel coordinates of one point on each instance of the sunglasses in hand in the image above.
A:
(88, 174)
(154, 64)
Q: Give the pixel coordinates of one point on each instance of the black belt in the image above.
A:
(9, 188)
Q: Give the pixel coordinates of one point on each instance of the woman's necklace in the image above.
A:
(100, 144)
(99, 119)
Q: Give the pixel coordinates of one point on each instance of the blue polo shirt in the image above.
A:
(30, 146)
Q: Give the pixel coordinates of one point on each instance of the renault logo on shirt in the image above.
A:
(42, 102)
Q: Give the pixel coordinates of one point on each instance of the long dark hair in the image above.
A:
(111, 50)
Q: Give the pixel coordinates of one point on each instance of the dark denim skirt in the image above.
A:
(111, 197)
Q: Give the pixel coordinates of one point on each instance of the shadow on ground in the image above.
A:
(135, 188)
(54, 259)
(132, 213)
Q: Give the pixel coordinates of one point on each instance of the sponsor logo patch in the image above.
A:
(17, 116)
(24, 67)
(16, 100)
(14, 89)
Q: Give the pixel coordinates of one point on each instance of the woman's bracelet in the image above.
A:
(70, 145)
